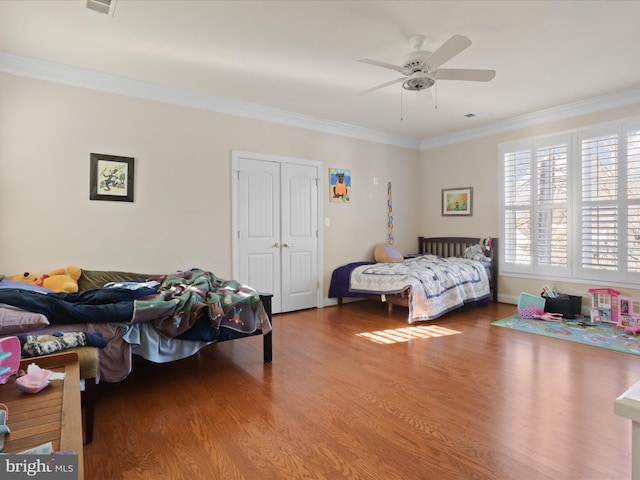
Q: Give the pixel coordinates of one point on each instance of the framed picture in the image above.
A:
(457, 201)
(339, 185)
(111, 178)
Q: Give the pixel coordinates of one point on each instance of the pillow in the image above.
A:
(18, 321)
(385, 253)
(6, 283)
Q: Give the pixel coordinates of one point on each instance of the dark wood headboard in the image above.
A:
(455, 247)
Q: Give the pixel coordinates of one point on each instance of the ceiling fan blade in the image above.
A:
(397, 80)
(384, 65)
(466, 74)
(448, 50)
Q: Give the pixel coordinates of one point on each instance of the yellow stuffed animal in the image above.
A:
(58, 280)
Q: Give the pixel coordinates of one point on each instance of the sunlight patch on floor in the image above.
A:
(404, 334)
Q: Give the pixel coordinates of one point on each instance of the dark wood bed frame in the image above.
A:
(446, 247)
(267, 342)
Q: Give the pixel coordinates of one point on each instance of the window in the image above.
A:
(571, 205)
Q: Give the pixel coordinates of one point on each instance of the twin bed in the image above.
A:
(447, 272)
(161, 318)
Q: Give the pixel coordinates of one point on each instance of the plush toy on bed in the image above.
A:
(58, 280)
(476, 252)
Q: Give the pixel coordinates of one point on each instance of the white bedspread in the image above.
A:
(438, 285)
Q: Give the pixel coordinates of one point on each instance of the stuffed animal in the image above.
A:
(58, 280)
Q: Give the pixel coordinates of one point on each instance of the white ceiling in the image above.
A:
(301, 56)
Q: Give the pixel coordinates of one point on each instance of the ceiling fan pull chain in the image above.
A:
(401, 114)
(389, 215)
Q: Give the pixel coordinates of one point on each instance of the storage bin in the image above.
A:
(569, 306)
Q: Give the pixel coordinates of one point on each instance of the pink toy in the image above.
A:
(550, 317)
(604, 304)
(9, 357)
(632, 329)
(628, 311)
(36, 379)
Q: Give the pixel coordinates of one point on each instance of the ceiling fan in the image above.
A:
(420, 68)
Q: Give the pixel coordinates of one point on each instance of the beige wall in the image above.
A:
(475, 163)
(181, 217)
(470, 164)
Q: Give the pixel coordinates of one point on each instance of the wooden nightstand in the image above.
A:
(53, 414)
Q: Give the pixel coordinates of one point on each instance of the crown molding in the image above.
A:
(80, 77)
(561, 112)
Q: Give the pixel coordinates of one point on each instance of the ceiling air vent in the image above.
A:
(106, 7)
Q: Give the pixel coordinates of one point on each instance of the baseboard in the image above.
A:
(328, 302)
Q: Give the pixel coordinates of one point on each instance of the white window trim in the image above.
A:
(574, 272)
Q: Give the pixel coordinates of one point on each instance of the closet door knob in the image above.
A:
(276, 244)
(286, 245)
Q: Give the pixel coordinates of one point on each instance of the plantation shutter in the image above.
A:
(517, 209)
(633, 195)
(551, 206)
(535, 212)
(600, 193)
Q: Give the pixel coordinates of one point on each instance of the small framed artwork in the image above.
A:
(111, 178)
(457, 201)
(339, 185)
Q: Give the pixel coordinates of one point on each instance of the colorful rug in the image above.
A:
(604, 335)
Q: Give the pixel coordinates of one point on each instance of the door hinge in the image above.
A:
(318, 284)
(238, 234)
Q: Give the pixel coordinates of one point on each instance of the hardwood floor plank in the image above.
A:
(455, 399)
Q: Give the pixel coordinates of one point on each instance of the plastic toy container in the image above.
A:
(530, 306)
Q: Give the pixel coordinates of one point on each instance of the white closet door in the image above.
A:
(258, 236)
(299, 226)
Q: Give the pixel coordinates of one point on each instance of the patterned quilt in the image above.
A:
(187, 295)
(438, 285)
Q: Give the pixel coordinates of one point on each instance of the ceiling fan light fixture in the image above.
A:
(418, 83)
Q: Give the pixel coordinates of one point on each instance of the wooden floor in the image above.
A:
(462, 400)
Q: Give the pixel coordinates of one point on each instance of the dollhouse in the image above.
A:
(628, 311)
(604, 305)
